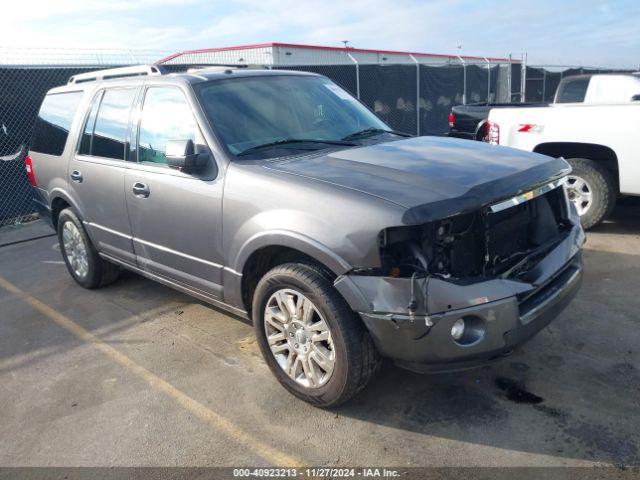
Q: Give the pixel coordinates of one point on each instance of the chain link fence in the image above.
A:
(21, 92)
(413, 98)
(417, 98)
(25, 77)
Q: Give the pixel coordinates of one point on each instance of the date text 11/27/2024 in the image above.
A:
(320, 472)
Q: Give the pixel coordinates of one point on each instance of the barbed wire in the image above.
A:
(45, 56)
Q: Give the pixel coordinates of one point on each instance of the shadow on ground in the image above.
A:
(625, 218)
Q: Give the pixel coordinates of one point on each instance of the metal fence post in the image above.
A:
(417, 94)
(523, 79)
(357, 75)
(464, 79)
(509, 80)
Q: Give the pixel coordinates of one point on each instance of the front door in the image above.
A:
(175, 217)
(97, 172)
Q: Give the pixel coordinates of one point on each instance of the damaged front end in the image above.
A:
(458, 291)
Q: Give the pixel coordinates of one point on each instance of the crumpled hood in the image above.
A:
(432, 177)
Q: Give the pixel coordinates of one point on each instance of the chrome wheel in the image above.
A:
(75, 249)
(299, 338)
(579, 192)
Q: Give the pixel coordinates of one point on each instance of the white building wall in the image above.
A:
(311, 56)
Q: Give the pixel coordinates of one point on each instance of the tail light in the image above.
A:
(493, 133)
(452, 119)
(31, 176)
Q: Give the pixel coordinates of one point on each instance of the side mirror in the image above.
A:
(181, 155)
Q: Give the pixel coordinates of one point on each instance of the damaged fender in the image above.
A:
(411, 318)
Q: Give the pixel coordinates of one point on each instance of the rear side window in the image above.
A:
(573, 91)
(54, 121)
(106, 136)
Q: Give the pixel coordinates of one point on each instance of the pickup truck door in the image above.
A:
(96, 172)
(623, 140)
(175, 217)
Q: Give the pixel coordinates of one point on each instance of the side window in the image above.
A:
(166, 115)
(110, 130)
(574, 91)
(54, 121)
(87, 133)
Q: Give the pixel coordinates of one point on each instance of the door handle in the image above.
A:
(141, 190)
(76, 176)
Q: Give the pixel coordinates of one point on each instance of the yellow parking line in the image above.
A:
(272, 455)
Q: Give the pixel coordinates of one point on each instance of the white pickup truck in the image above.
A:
(594, 123)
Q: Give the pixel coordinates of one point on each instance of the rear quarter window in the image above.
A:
(54, 121)
(573, 91)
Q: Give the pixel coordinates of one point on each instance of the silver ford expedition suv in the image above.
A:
(278, 196)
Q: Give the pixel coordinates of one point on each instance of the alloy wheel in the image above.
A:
(580, 193)
(75, 249)
(299, 338)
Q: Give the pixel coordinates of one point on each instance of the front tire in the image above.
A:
(84, 264)
(592, 190)
(312, 341)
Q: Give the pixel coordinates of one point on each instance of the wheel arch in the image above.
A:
(262, 253)
(481, 129)
(59, 201)
(602, 154)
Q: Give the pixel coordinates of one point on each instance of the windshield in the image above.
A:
(277, 112)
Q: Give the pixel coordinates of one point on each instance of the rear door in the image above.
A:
(97, 172)
(175, 217)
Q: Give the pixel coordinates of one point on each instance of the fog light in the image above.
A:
(457, 330)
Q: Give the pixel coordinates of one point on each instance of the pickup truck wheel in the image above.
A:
(312, 341)
(84, 264)
(592, 190)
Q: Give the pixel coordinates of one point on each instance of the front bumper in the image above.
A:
(506, 312)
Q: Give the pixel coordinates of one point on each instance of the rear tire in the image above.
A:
(592, 189)
(347, 347)
(84, 264)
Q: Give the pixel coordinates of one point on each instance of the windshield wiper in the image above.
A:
(368, 132)
(285, 141)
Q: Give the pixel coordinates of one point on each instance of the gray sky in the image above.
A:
(588, 32)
